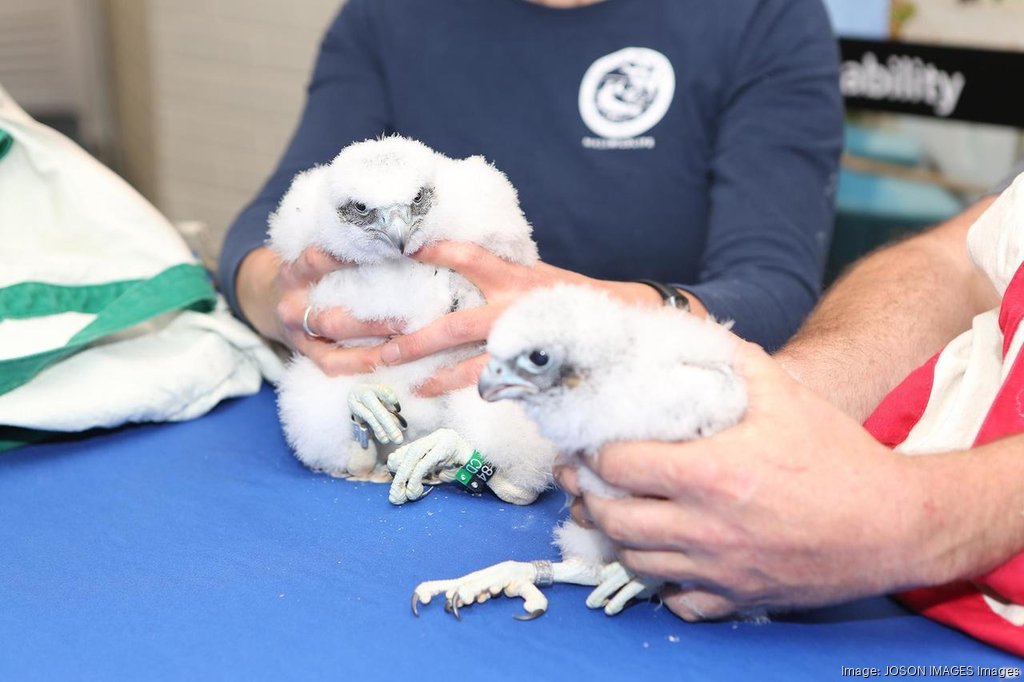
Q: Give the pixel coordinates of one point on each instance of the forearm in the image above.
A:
(889, 314)
(972, 511)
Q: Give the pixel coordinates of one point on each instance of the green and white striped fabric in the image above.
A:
(105, 315)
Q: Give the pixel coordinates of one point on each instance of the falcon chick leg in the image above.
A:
(511, 578)
(361, 464)
(375, 409)
(439, 455)
(617, 587)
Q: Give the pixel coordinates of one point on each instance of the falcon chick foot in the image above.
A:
(511, 578)
(437, 455)
(375, 409)
(617, 587)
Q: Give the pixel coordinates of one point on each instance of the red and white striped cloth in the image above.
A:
(969, 394)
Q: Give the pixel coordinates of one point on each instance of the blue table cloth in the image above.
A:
(205, 551)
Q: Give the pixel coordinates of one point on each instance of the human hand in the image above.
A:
(501, 283)
(274, 296)
(567, 478)
(796, 506)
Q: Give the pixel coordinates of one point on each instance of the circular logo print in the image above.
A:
(626, 93)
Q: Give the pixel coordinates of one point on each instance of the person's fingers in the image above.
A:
(334, 361)
(658, 469)
(337, 324)
(311, 265)
(697, 605)
(475, 263)
(578, 512)
(454, 329)
(642, 523)
(567, 479)
(460, 375)
(667, 565)
(291, 307)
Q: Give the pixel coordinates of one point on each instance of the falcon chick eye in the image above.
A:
(537, 362)
(418, 198)
(360, 207)
(539, 358)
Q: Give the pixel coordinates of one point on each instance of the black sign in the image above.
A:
(941, 82)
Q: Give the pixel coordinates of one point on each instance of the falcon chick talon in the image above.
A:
(455, 609)
(532, 615)
(415, 603)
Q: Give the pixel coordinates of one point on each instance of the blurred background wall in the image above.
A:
(192, 101)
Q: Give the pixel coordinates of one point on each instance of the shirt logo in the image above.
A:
(623, 95)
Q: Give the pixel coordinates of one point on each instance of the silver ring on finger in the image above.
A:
(305, 324)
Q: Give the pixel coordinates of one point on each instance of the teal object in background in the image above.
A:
(881, 145)
(872, 209)
(860, 18)
(6, 142)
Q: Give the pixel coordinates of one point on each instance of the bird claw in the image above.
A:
(453, 607)
(532, 615)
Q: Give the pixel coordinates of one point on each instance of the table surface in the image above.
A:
(204, 550)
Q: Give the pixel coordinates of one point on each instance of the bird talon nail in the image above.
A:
(532, 615)
(415, 603)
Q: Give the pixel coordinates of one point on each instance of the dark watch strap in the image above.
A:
(670, 296)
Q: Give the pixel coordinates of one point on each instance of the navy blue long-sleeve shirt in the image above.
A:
(685, 141)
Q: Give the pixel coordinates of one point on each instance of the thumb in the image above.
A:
(697, 605)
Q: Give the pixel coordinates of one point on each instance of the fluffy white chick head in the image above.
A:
(367, 206)
(551, 347)
(590, 369)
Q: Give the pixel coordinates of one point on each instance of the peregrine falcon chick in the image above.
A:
(590, 370)
(374, 205)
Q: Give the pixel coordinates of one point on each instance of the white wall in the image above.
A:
(52, 61)
(226, 83)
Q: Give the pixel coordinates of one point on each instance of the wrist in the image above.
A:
(970, 517)
(901, 541)
(636, 293)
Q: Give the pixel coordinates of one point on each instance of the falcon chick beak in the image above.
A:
(500, 381)
(397, 223)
